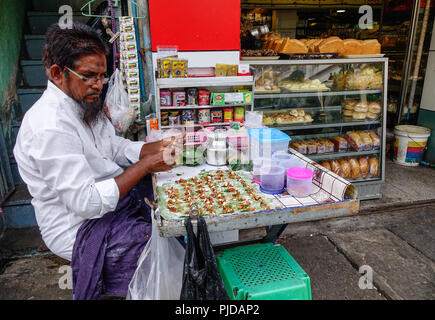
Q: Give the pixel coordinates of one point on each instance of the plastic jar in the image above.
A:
(257, 164)
(299, 182)
(272, 179)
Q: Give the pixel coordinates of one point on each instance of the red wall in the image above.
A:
(195, 25)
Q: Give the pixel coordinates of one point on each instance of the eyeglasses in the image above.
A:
(90, 81)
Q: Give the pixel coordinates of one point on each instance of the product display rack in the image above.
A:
(214, 84)
(328, 103)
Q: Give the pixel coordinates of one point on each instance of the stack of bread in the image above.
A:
(353, 168)
(353, 110)
(328, 45)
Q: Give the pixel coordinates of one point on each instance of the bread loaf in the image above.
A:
(326, 165)
(277, 45)
(352, 46)
(371, 46)
(375, 139)
(364, 166)
(355, 168)
(293, 46)
(374, 166)
(345, 168)
(333, 44)
(335, 167)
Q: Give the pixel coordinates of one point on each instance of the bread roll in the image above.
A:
(293, 46)
(374, 166)
(352, 46)
(277, 45)
(294, 112)
(301, 112)
(335, 167)
(374, 107)
(372, 115)
(359, 115)
(364, 166)
(371, 46)
(333, 44)
(355, 168)
(345, 168)
(361, 107)
(326, 165)
(347, 113)
(313, 46)
(349, 104)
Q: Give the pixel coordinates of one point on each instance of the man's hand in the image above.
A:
(158, 146)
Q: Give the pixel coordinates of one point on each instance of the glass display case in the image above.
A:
(333, 109)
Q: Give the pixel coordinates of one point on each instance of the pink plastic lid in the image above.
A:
(300, 173)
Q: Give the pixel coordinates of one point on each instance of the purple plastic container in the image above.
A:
(299, 182)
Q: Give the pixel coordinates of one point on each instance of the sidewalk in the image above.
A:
(393, 236)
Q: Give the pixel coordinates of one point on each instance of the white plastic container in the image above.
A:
(299, 182)
(257, 164)
(272, 179)
(410, 144)
(264, 142)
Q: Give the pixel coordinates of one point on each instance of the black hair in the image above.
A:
(65, 46)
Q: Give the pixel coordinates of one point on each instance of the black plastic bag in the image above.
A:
(201, 278)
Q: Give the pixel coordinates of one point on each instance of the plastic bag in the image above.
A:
(118, 109)
(159, 271)
(201, 278)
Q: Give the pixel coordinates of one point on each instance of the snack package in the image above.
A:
(366, 140)
(321, 147)
(128, 36)
(355, 141)
(340, 144)
(329, 146)
(375, 139)
(221, 70)
(299, 146)
(179, 68)
(311, 146)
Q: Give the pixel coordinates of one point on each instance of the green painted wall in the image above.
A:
(12, 15)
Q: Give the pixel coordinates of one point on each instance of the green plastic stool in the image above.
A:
(262, 272)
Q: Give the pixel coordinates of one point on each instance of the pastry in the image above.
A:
(294, 112)
(345, 168)
(348, 104)
(352, 46)
(359, 115)
(371, 46)
(268, 120)
(308, 118)
(364, 166)
(374, 166)
(335, 167)
(277, 45)
(301, 112)
(361, 107)
(355, 168)
(374, 107)
(375, 139)
(293, 46)
(326, 165)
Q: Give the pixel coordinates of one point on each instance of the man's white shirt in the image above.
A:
(69, 168)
